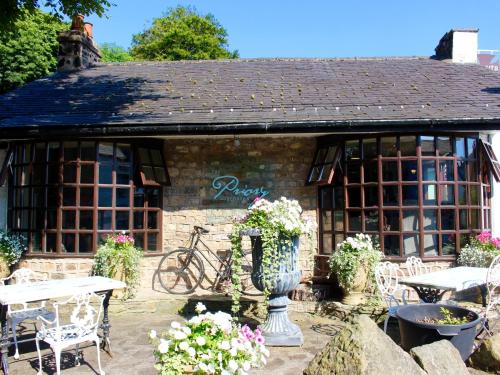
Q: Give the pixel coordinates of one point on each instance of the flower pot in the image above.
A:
(415, 333)
(5, 270)
(278, 330)
(355, 295)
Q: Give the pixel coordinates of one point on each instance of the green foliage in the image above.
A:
(28, 50)
(350, 255)
(12, 247)
(118, 257)
(448, 317)
(113, 53)
(13, 10)
(480, 251)
(182, 34)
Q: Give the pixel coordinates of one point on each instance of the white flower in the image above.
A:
(202, 366)
(191, 351)
(183, 346)
(186, 330)
(195, 320)
(233, 351)
(211, 368)
(152, 334)
(163, 346)
(201, 341)
(200, 307)
(225, 345)
(175, 325)
(179, 335)
(246, 366)
(225, 372)
(233, 365)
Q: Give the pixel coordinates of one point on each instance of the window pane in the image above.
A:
(389, 170)
(448, 244)
(69, 196)
(471, 148)
(40, 153)
(38, 175)
(327, 243)
(69, 175)
(68, 243)
(88, 151)
(352, 150)
(447, 219)
(353, 172)
(105, 197)
(152, 241)
(105, 173)
(371, 196)
(388, 146)
(105, 151)
(315, 174)
(475, 219)
(474, 195)
(391, 220)
(460, 147)
(430, 195)
(144, 156)
(53, 173)
(161, 177)
(51, 219)
(87, 173)
(430, 244)
(473, 171)
(445, 146)
(326, 201)
(122, 220)
(68, 219)
(139, 240)
(70, 151)
(428, 170)
(409, 170)
(338, 220)
(104, 220)
(410, 220)
(330, 155)
(430, 220)
(39, 197)
(462, 170)
(463, 219)
(123, 174)
(53, 151)
(354, 220)
(122, 197)
(462, 194)
(369, 148)
(427, 145)
(123, 153)
(408, 146)
(371, 220)
(371, 171)
(85, 245)
(139, 220)
(354, 197)
(391, 245)
(86, 220)
(447, 195)
(446, 170)
(326, 216)
(51, 243)
(149, 175)
(410, 195)
(139, 197)
(86, 197)
(390, 194)
(411, 245)
(153, 197)
(37, 242)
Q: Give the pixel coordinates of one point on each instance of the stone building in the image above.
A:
(399, 148)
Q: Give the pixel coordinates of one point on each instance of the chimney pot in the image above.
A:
(459, 45)
(77, 22)
(77, 49)
(88, 29)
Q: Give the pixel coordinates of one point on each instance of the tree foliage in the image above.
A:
(111, 52)
(182, 34)
(12, 10)
(28, 50)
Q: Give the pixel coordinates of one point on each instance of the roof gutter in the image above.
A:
(46, 131)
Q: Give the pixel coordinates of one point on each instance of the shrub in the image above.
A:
(12, 247)
(480, 250)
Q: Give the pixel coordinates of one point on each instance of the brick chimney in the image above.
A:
(459, 46)
(77, 49)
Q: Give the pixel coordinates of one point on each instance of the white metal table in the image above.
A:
(431, 286)
(51, 289)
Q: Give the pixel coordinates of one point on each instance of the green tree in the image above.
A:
(11, 10)
(182, 34)
(28, 50)
(113, 53)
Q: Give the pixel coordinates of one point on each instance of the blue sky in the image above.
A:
(322, 28)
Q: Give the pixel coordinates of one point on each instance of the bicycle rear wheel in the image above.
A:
(247, 286)
(180, 271)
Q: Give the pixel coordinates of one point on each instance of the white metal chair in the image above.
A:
(25, 311)
(81, 326)
(493, 298)
(415, 266)
(387, 276)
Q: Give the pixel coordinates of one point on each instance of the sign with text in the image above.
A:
(228, 188)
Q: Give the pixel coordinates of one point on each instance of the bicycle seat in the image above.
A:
(201, 230)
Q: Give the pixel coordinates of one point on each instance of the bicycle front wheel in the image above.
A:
(180, 271)
(247, 286)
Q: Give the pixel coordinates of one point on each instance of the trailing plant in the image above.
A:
(350, 255)
(276, 224)
(208, 344)
(448, 318)
(12, 247)
(480, 251)
(119, 256)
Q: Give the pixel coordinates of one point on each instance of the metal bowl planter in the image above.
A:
(278, 330)
(414, 333)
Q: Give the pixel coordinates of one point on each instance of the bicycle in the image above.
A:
(182, 270)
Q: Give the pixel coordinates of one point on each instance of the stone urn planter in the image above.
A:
(5, 269)
(355, 295)
(278, 330)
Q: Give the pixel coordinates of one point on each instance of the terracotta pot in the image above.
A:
(356, 295)
(77, 22)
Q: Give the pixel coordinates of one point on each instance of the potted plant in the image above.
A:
(118, 258)
(274, 229)
(11, 249)
(208, 344)
(480, 250)
(353, 263)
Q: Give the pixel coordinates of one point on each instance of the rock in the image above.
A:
(439, 358)
(487, 356)
(362, 348)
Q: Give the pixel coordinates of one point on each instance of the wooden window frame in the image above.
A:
(326, 176)
(141, 164)
(490, 158)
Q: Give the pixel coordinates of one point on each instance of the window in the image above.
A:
(152, 167)
(490, 159)
(323, 166)
(66, 197)
(420, 195)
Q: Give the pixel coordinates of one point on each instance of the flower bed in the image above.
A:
(480, 250)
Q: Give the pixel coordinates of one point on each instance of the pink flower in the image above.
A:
(260, 340)
(496, 241)
(484, 237)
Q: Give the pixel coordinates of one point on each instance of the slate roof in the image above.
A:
(265, 94)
